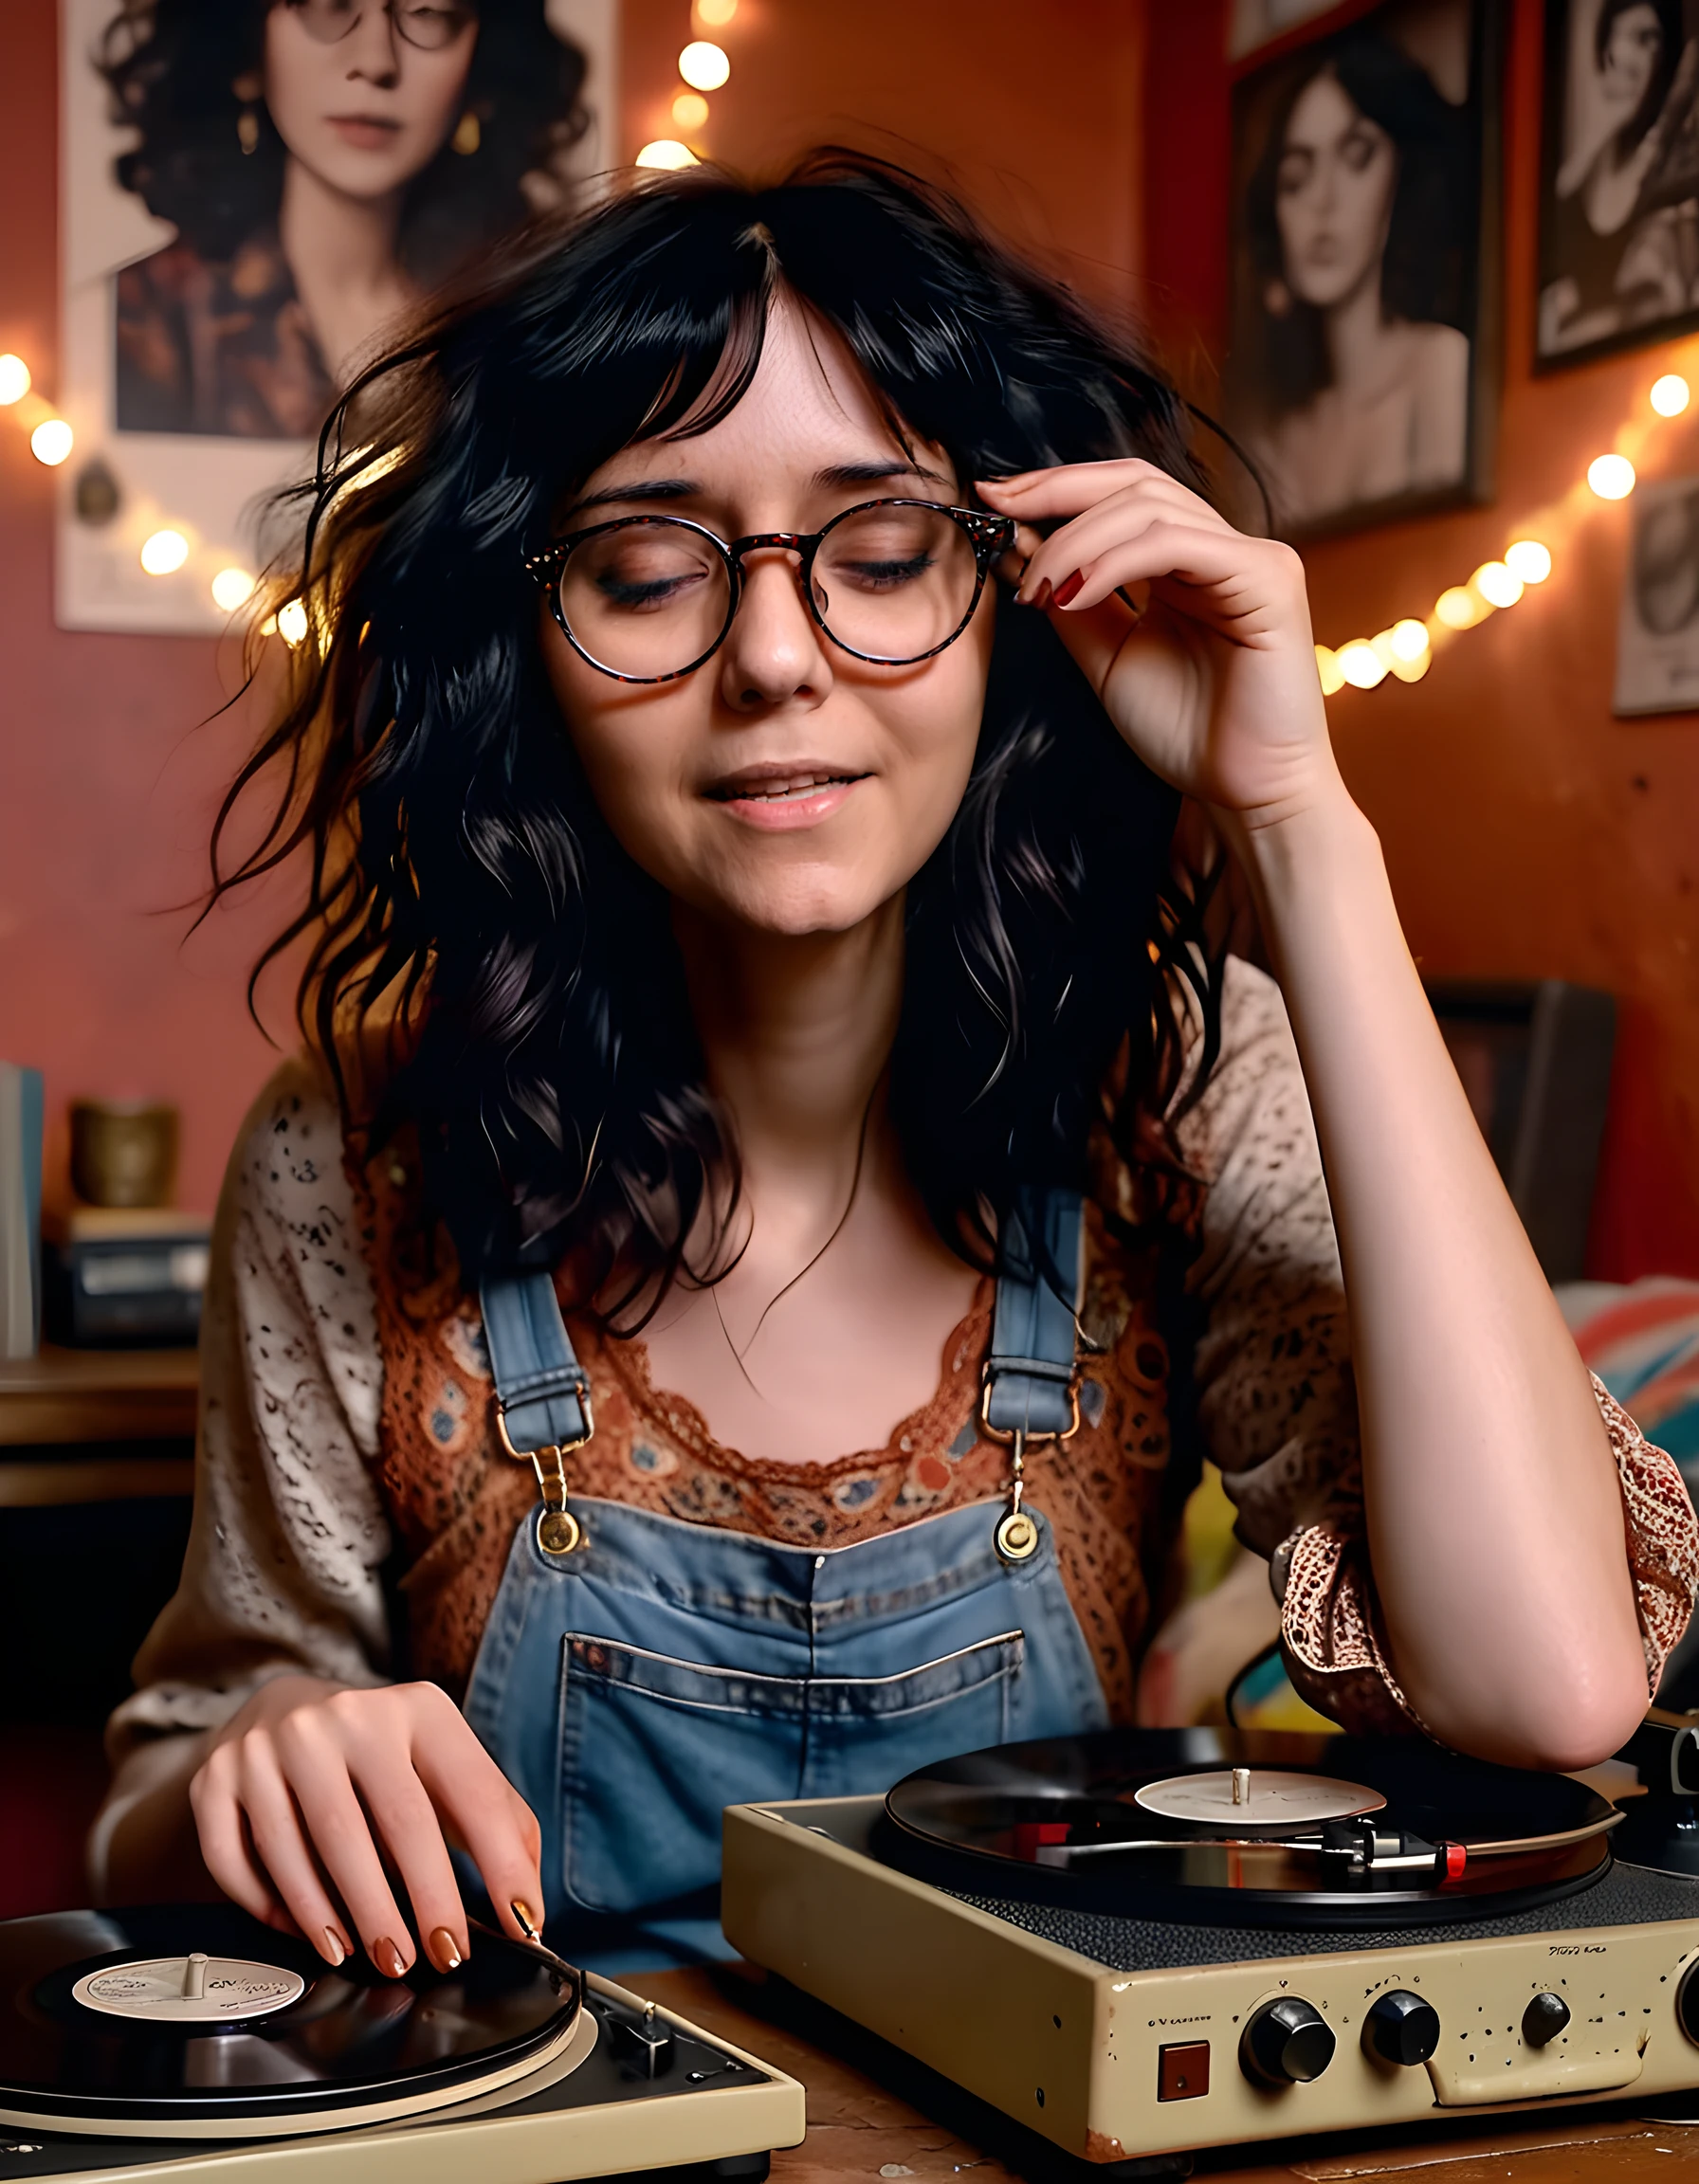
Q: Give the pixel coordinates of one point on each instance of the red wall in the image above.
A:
(1527, 832)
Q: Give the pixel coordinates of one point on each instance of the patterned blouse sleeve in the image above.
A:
(1277, 1404)
(289, 1536)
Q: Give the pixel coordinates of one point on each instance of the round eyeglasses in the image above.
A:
(429, 24)
(648, 598)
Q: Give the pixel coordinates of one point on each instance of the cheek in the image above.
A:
(295, 77)
(433, 89)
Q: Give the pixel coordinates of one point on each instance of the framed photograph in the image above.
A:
(1362, 377)
(1658, 629)
(251, 196)
(1619, 184)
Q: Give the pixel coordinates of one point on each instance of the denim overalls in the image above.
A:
(638, 1673)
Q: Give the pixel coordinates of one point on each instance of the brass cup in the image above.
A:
(123, 1152)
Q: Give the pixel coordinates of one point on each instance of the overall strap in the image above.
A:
(543, 1392)
(1031, 1388)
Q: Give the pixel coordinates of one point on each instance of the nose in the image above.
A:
(776, 652)
(373, 51)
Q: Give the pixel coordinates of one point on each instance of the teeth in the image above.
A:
(779, 793)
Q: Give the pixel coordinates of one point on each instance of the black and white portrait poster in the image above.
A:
(1657, 631)
(1363, 371)
(1619, 207)
(255, 192)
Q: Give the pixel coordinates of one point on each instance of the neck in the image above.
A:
(1356, 330)
(334, 241)
(797, 1033)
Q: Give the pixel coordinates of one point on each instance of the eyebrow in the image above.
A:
(646, 489)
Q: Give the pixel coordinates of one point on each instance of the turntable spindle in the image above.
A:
(194, 1977)
(1241, 1784)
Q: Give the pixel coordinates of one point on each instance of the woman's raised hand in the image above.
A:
(317, 1799)
(1215, 685)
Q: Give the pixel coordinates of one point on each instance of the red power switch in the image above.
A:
(1183, 2071)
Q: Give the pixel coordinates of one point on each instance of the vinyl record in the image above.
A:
(1246, 1828)
(195, 2020)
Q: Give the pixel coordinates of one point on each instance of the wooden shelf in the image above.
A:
(69, 1395)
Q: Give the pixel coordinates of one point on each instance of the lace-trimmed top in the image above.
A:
(314, 1415)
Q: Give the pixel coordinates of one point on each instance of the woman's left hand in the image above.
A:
(1215, 686)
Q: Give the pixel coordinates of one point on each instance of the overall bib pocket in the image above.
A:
(653, 1747)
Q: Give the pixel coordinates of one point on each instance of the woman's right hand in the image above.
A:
(312, 1790)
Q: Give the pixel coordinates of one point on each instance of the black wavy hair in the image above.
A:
(468, 899)
(1427, 271)
(171, 66)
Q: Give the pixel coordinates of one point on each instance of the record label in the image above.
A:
(193, 1990)
(1256, 1797)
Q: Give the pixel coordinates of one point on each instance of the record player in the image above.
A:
(1137, 1943)
(189, 2042)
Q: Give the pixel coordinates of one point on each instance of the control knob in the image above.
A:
(1287, 2043)
(1544, 2019)
(1401, 2028)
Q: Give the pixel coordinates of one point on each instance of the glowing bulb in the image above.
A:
(1458, 608)
(1329, 668)
(715, 13)
(231, 588)
(1361, 665)
(704, 65)
(1671, 394)
(668, 153)
(14, 380)
(163, 553)
(1529, 560)
(1408, 639)
(1612, 477)
(1498, 585)
(50, 443)
(689, 109)
(292, 622)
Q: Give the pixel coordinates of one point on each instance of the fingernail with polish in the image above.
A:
(523, 1913)
(1040, 594)
(334, 1947)
(444, 1950)
(388, 1958)
(1068, 589)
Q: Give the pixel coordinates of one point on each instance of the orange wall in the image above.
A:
(107, 777)
(1527, 832)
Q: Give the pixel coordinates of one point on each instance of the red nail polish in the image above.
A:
(1067, 588)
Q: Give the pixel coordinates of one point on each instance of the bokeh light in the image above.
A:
(1671, 394)
(231, 588)
(714, 14)
(1529, 560)
(14, 380)
(50, 443)
(1612, 477)
(704, 65)
(666, 151)
(689, 109)
(1498, 585)
(1361, 665)
(164, 552)
(292, 622)
(1408, 639)
(1329, 668)
(1458, 608)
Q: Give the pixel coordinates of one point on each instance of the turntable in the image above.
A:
(1137, 1943)
(171, 2042)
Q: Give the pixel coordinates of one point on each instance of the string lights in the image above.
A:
(704, 65)
(1405, 651)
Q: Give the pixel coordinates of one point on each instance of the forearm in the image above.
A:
(1494, 1520)
(144, 1847)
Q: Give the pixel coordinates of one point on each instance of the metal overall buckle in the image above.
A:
(559, 1532)
(1017, 1536)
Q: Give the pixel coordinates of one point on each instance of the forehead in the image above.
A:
(808, 408)
(1325, 110)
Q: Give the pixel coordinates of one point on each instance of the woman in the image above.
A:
(325, 163)
(1621, 262)
(739, 797)
(1352, 363)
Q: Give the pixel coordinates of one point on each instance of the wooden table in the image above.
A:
(873, 2114)
(119, 1403)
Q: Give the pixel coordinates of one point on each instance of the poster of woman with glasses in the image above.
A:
(259, 191)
